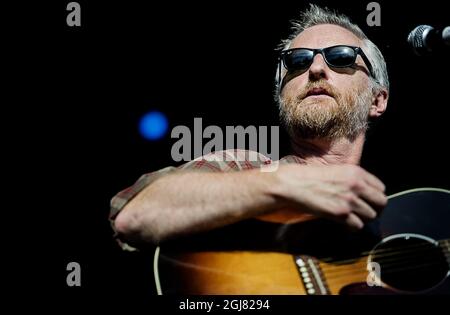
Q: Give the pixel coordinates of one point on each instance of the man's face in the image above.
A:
(320, 102)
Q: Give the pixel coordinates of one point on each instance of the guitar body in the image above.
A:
(406, 250)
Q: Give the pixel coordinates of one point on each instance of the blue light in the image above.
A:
(153, 125)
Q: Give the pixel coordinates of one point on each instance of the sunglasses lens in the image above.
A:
(298, 59)
(340, 56)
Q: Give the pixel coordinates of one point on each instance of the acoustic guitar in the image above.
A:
(406, 250)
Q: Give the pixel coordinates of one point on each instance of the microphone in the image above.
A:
(425, 39)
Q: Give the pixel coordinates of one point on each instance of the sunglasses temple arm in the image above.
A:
(279, 75)
(367, 61)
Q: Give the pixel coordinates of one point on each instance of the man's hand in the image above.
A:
(346, 193)
(189, 202)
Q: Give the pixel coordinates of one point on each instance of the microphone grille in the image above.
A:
(417, 38)
(446, 35)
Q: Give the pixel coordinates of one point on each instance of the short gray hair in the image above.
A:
(316, 15)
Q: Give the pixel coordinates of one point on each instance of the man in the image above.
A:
(331, 80)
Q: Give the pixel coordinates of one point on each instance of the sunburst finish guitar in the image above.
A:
(406, 250)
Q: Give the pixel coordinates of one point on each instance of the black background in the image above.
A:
(81, 92)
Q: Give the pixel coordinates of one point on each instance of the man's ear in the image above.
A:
(379, 103)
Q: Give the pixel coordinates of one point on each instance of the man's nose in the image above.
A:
(318, 69)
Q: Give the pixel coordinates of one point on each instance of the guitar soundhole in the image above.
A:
(410, 263)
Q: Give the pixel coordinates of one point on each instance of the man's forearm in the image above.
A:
(189, 202)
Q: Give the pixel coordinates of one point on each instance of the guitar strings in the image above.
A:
(389, 255)
(389, 260)
(386, 268)
(363, 272)
(398, 265)
(386, 263)
(387, 251)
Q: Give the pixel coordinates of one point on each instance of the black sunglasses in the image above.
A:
(341, 56)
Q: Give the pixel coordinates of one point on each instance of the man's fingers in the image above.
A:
(363, 210)
(373, 196)
(373, 181)
(354, 222)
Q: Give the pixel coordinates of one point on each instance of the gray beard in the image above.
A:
(348, 117)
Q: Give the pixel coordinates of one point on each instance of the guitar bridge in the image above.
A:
(311, 275)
